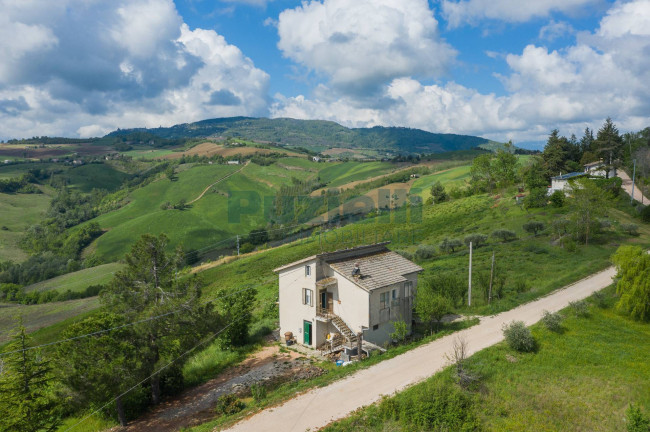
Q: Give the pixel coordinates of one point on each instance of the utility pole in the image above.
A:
(491, 276)
(633, 178)
(237, 244)
(469, 290)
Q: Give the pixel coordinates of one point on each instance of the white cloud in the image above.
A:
(555, 29)
(604, 74)
(458, 12)
(89, 66)
(361, 45)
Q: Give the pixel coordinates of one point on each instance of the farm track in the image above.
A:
(218, 181)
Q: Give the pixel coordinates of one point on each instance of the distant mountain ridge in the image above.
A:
(317, 135)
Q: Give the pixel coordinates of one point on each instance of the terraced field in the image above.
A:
(449, 178)
(337, 174)
(79, 280)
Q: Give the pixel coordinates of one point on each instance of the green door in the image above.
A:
(307, 331)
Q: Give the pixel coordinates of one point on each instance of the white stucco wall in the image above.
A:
(351, 303)
(292, 311)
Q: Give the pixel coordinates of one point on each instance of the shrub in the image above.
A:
(604, 223)
(246, 248)
(536, 198)
(425, 252)
(258, 391)
(631, 229)
(518, 336)
(600, 299)
(521, 285)
(406, 254)
(228, 404)
(636, 420)
(645, 214)
(571, 245)
(450, 245)
(504, 235)
(533, 227)
(580, 308)
(477, 240)
(557, 199)
(552, 321)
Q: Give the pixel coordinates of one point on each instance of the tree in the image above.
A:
(438, 193)
(401, 331)
(504, 235)
(533, 227)
(608, 144)
(450, 245)
(554, 154)
(481, 174)
(431, 306)
(535, 176)
(588, 203)
(504, 167)
(26, 402)
(100, 367)
(633, 285)
(557, 199)
(150, 286)
(169, 173)
(477, 240)
(236, 311)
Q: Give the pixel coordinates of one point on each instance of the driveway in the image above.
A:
(627, 187)
(318, 407)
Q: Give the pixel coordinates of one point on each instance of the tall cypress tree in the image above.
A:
(26, 401)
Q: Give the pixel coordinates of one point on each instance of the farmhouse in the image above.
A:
(600, 169)
(328, 300)
(233, 162)
(561, 182)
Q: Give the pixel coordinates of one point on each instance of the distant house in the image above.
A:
(415, 175)
(561, 182)
(600, 169)
(316, 159)
(7, 161)
(77, 162)
(326, 300)
(233, 162)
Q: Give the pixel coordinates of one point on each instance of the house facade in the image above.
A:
(337, 295)
(600, 169)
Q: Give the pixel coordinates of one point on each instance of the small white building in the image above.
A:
(7, 161)
(599, 169)
(326, 300)
(561, 182)
(233, 162)
(316, 159)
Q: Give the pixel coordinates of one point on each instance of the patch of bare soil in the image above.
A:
(196, 406)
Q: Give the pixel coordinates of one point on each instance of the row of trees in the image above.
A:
(151, 318)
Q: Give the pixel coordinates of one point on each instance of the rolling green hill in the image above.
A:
(316, 135)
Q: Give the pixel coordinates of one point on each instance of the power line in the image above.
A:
(152, 375)
(117, 327)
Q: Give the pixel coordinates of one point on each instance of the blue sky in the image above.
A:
(502, 69)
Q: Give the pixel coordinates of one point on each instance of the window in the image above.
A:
(384, 299)
(408, 289)
(395, 297)
(307, 297)
(375, 327)
(307, 270)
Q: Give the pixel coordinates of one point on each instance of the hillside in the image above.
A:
(316, 135)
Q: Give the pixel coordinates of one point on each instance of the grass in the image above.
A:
(17, 213)
(44, 321)
(87, 177)
(583, 378)
(451, 177)
(337, 174)
(147, 153)
(79, 280)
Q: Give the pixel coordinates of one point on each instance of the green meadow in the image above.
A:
(582, 378)
(338, 174)
(87, 177)
(450, 177)
(79, 280)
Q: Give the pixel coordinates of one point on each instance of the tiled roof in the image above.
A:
(568, 176)
(377, 270)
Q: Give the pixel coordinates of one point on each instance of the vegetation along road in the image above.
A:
(317, 408)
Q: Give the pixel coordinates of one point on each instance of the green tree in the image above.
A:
(633, 285)
(504, 167)
(554, 154)
(236, 310)
(588, 203)
(535, 176)
(438, 193)
(608, 144)
(481, 174)
(450, 245)
(170, 174)
(26, 400)
(150, 286)
(431, 306)
(401, 331)
(101, 367)
(533, 227)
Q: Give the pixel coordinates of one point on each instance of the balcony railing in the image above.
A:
(324, 313)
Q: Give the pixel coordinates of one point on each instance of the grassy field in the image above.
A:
(85, 178)
(46, 320)
(337, 174)
(17, 213)
(581, 379)
(147, 153)
(79, 280)
(451, 177)
(18, 169)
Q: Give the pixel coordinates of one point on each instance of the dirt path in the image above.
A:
(318, 407)
(196, 406)
(627, 186)
(218, 181)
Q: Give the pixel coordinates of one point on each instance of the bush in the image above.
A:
(424, 252)
(228, 404)
(477, 240)
(536, 198)
(580, 308)
(604, 223)
(246, 248)
(521, 285)
(636, 420)
(557, 199)
(406, 254)
(504, 235)
(645, 214)
(450, 245)
(518, 336)
(552, 321)
(533, 227)
(600, 299)
(258, 391)
(631, 229)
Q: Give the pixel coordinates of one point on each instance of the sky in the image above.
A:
(501, 69)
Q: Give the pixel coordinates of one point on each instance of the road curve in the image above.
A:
(318, 407)
(627, 186)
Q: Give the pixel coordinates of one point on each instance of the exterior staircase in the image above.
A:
(344, 329)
